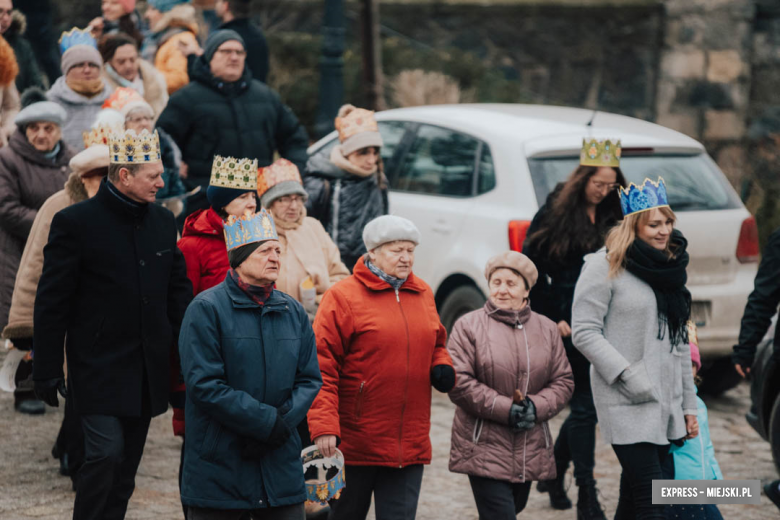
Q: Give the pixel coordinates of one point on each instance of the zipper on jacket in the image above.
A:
(525, 393)
(546, 435)
(406, 384)
(477, 430)
(359, 403)
(334, 209)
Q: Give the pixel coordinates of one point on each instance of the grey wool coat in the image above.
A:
(642, 386)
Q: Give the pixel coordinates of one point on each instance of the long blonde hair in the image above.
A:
(620, 238)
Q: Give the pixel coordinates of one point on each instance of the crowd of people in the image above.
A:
(167, 241)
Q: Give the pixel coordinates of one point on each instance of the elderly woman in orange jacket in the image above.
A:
(380, 346)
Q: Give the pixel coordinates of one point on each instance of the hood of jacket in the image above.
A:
(201, 72)
(18, 25)
(182, 16)
(22, 147)
(203, 222)
(320, 164)
(75, 188)
(61, 93)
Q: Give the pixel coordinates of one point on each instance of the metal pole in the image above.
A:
(331, 66)
(373, 79)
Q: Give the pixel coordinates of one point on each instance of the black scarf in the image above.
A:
(667, 277)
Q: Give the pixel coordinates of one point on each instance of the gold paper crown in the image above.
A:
(357, 121)
(99, 135)
(280, 171)
(228, 172)
(130, 148)
(600, 153)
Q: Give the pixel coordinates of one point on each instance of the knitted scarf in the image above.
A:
(258, 293)
(87, 88)
(394, 282)
(667, 277)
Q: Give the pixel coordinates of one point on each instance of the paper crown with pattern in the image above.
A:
(323, 489)
(600, 153)
(100, 134)
(355, 122)
(121, 97)
(76, 36)
(280, 171)
(229, 172)
(636, 199)
(249, 228)
(127, 147)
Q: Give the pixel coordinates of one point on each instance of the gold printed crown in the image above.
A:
(357, 121)
(601, 153)
(228, 172)
(100, 135)
(130, 148)
(249, 228)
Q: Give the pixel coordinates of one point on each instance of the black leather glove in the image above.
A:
(279, 433)
(522, 416)
(47, 389)
(443, 378)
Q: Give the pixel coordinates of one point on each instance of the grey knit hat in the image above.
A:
(282, 189)
(42, 111)
(79, 54)
(389, 228)
(216, 39)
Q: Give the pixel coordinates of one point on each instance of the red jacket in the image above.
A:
(204, 249)
(376, 348)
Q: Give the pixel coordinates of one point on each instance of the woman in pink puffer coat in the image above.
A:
(513, 377)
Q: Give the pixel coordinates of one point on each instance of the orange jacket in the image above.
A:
(376, 348)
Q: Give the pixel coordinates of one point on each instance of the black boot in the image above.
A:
(557, 491)
(588, 507)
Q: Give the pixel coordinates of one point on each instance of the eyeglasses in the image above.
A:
(609, 185)
(227, 52)
(288, 200)
(139, 119)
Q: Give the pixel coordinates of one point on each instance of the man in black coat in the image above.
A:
(113, 290)
(223, 111)
(235, 16)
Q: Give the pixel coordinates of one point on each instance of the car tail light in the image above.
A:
(747, 246)
(517, 231)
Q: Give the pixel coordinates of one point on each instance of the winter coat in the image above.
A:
(162, 45)
(155, 88)
(9, 107)
(115, 285)
(203, 244)
(255, 45)
(20, 317)
(376, 348)
(243, 119)
(695, 460)
(343, 202)
(492, 360)
(81, 110)
(307, 251)
(242, 363)
(761, 305)
(27, 179)
(29, 74)
(641, 385)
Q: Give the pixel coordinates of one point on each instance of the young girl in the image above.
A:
(695, 459)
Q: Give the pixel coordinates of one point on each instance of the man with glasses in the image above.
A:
(223, 111)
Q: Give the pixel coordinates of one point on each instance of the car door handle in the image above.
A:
(441, 227)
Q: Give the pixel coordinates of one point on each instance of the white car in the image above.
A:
(473, 176)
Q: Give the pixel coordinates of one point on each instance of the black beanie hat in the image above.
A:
(217, 38)
(237, 256)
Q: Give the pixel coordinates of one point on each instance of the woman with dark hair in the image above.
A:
(572, 223)
(118, 16)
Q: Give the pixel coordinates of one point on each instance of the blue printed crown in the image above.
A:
(250, 228)
(76, 36)
(321, 489)
(635, 199)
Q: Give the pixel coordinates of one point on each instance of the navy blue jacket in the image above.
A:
(240, 362)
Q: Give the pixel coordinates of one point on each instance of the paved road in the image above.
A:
(31, 488)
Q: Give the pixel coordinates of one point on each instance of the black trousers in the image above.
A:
(396, 492)
(498, 499)
(577, 437)
(641, 464)
(293, 512)
(70, 440)
(113, 447)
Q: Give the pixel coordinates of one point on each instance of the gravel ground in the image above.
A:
(32, 488)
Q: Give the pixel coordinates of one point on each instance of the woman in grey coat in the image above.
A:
(631, 309)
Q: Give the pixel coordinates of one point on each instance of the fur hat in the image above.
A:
(79, 54)
(389, 228)
(357, 129)
(93, 158)
(515, 261)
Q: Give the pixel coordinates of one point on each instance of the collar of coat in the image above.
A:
(23, 148)
(119, 202)
(373, 282)
(241, 300)
(201, 73)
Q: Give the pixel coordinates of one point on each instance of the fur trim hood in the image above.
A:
(75, 188)
(18, 24)
(182, 15)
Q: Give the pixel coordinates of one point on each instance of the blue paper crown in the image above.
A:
(321, 489)
(251, 228)
(635, 199)
(76, 36)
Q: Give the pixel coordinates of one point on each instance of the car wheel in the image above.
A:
(460, 301)
(719, 377)
(774, 432)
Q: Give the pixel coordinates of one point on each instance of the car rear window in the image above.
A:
(693, 182)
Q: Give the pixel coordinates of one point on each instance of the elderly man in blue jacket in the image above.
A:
(249, 360)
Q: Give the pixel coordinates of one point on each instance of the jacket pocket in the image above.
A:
(210, 441)
(635, 384)
(547, 436)
(359, 400)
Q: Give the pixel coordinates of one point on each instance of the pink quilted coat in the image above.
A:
(495, 352)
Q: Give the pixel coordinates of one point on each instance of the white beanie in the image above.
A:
(389, 228)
